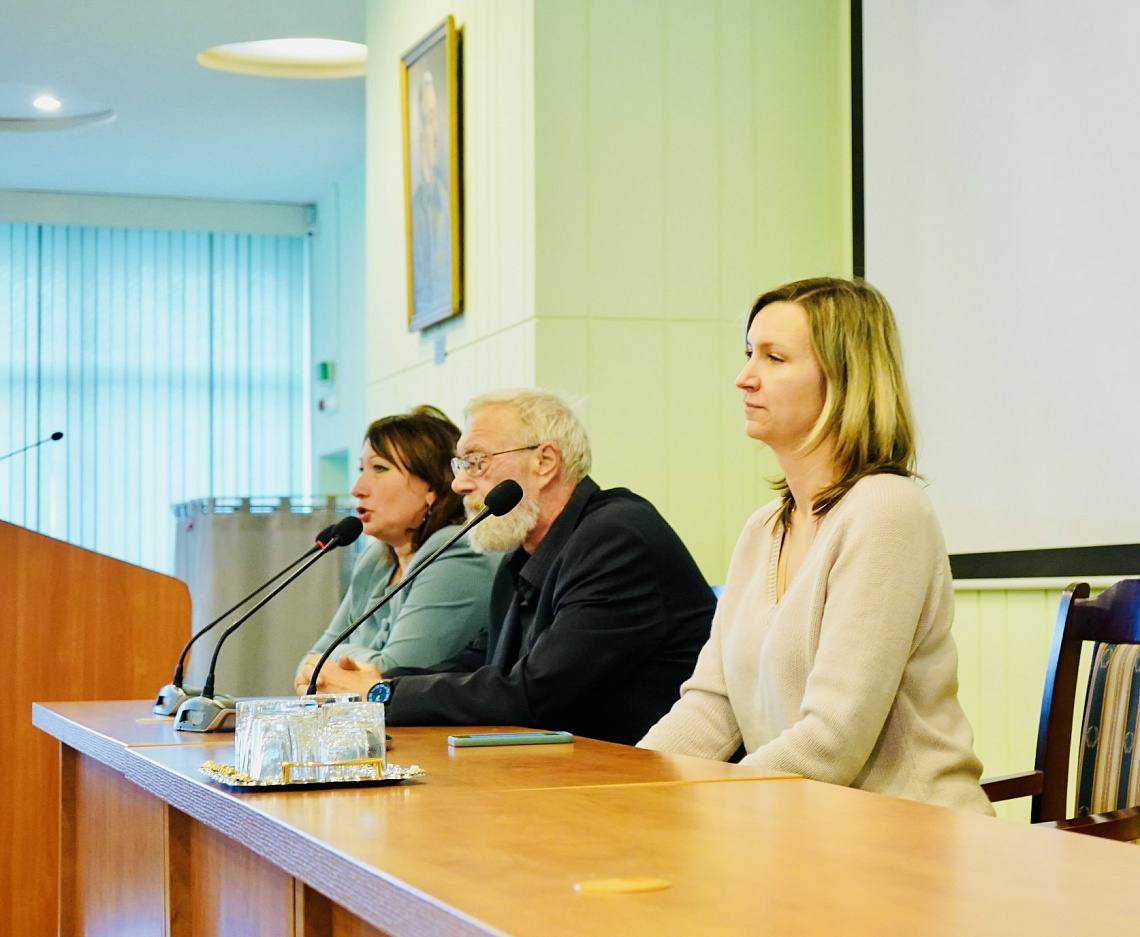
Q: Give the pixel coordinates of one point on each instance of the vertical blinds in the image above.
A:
(172, 361)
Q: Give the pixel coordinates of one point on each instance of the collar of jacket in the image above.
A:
(529, 570)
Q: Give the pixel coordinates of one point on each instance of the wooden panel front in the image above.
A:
(113, 854)
(218, 888)
(320, 917)
(78, 625)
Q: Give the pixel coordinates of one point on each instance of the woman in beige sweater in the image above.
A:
(830, 654)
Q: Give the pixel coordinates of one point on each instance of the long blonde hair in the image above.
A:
(866, 410)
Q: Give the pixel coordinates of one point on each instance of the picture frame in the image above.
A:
(433, 204)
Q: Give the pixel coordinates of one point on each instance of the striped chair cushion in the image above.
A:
(1108, 773)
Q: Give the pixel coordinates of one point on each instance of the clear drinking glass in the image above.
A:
(306, 725)
(247, 712)
(271, 743)
(344, 742)
(356, 727)
(254, 714)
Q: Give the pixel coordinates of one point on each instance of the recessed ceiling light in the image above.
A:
(289, 58)
(24, 110)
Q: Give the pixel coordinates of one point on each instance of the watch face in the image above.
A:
(380, 692)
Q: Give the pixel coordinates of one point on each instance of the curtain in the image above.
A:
(172, 361)
(224, 550)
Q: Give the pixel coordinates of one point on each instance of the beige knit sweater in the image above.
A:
(852, 677)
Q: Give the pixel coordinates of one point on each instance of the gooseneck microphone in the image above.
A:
(174, 694)
(54, 437)
(204, 713)
(500, 499)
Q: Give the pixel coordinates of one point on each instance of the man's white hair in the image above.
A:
(543, 417)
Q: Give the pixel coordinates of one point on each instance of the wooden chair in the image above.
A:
(1108, 772)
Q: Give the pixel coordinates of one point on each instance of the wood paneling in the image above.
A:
(113, 854)
(225, 890)
(320, 917)
(79, 626)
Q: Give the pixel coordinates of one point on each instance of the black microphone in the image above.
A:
(500, 499)
(173, 695)
(54, 437)
(204, 713)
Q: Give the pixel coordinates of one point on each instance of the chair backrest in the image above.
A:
(1108, 775)
(1112, 707)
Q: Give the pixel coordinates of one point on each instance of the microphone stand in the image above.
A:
(174, 694)
(501, 499)
(205, 713)
(54, 437)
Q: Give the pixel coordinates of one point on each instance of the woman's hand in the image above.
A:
(344, 676)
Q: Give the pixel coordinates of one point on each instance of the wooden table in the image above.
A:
(494, 841)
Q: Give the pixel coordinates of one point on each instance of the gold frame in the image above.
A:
(427, 301)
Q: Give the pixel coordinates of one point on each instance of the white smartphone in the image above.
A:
(538, 737)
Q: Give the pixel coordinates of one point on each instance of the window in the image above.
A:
(174, 362)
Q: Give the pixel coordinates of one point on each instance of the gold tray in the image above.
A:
(229, 777)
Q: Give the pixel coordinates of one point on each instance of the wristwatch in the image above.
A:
(380, 692)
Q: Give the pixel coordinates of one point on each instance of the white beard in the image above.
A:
(501, 534)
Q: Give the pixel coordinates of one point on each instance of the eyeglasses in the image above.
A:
(474, 463)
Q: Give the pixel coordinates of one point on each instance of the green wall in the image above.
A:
(337, 253)
(492, 344)
(635, 173)
(688, 156)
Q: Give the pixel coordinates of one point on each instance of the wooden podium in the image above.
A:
(76, 625)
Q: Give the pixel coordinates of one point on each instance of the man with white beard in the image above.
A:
(597, 611)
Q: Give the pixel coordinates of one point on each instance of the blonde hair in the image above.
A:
(866, 410)
(543, 417)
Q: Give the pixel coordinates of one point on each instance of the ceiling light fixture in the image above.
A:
(289, 58)
(29, 110)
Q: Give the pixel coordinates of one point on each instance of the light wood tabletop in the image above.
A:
(513, 840)
(106, 729)
(780, 857)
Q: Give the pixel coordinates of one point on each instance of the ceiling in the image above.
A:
(181, 130)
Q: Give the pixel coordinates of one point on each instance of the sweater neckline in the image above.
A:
(777, 545)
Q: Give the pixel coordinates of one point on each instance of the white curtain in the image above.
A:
(172, 361)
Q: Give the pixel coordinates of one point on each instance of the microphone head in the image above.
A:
(56, 436)
(347, 531)
(503, 497)
(325, 536)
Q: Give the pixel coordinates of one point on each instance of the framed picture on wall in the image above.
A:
(429, 86)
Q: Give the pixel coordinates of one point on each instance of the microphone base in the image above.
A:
(170, 697)
(202, 714)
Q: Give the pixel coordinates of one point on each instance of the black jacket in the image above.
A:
(592, 634)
